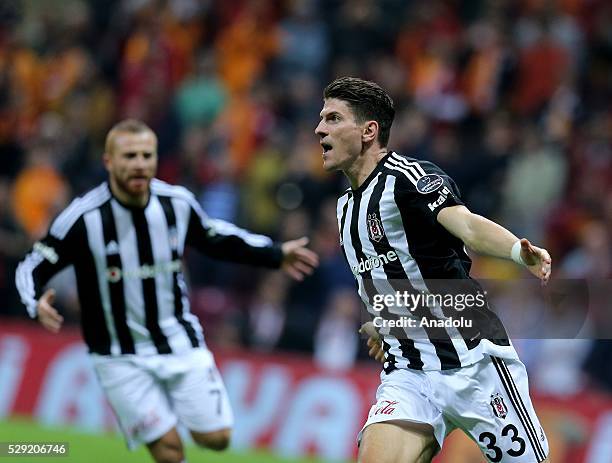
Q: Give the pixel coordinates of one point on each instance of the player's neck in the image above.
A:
(363, 166)
(127, 199)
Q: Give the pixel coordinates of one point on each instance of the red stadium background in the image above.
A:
(284, 403)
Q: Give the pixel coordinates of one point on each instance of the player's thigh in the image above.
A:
(508, 429)
(137, 399)
(397, 441)
(214, 440)
(402, 397)
(200, 399)
(168, 448)
(413, 428)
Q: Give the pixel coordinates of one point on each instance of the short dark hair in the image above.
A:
(125, 126)
(367, 100)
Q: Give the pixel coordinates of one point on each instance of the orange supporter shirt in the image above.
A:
(38, 194)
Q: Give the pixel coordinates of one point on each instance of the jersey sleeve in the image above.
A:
(425, 189)
(225, 241)
(48, 256)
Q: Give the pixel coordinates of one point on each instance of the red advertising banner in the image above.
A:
(284, 403)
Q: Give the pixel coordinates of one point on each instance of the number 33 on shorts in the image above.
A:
(495, 453)
(520, 442)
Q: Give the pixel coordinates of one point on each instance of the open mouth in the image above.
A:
(139, 179)
(326, 147)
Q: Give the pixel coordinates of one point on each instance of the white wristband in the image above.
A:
(515, 254)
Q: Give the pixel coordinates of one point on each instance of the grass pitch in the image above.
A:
(110, 448)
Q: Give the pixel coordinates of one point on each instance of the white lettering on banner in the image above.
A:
(13, 355)
(322, 415)
(71, 393)
(255, 414)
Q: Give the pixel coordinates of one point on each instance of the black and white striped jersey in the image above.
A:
(393, 243)
(128, 266)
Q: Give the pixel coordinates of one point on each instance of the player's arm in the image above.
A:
(435, 199)
(484, 236)
(226, 241)
(47, 257)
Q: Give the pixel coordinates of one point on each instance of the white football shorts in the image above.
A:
(488, 400)
(151, 394)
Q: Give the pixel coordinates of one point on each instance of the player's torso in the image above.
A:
(372, 232)
(396, 248)
(136, 252)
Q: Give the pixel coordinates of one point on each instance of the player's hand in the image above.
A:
(298, 260)
(47, 315)
(538, 260)
(374, 342)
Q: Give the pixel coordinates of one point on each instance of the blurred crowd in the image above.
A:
(513, 98)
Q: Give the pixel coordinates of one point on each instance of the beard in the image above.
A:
(133, 186)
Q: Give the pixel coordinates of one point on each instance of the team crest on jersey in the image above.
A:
(375, 228)
(429, 183)
(498, 405)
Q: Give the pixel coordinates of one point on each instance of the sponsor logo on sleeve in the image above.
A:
(438, 202)
(429, 183)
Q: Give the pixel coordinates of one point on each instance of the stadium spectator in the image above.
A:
(13, 244)
(336, 343)
(39, 191)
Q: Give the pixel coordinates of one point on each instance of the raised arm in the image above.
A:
(484, 236)
(226, 241)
